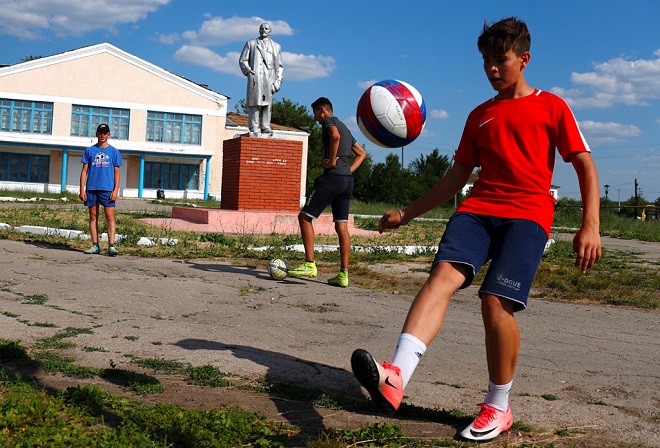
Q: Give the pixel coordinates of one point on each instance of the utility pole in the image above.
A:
(636, 198)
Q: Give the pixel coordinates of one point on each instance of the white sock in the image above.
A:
(498, 395)
(409, 351)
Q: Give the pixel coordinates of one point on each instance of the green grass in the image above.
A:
(617, 279)
(91, 417)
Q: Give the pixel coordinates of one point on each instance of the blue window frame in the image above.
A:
(33, 117)
(18, 167)
(168, 127)
(171, 176)
(85, 120)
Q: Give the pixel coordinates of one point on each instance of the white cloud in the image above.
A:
(297, 67)
(301, 67)
(217, 31)
(439, 114)
(615, 82)
(366, 84)
(204, 57)
(221, 31)
(599, 132)
(32, 19)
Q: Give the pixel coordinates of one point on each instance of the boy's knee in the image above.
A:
(495, 307)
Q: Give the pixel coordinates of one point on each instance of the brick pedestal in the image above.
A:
(261, 174)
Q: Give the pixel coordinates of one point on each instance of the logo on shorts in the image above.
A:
(513, 284)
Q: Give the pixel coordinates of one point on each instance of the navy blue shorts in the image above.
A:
(99, 197)
(334, 190)
(514, 247)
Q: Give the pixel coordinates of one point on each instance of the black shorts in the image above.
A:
(334, 190)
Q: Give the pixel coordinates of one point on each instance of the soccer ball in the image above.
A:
(391, 113)
(278, 268)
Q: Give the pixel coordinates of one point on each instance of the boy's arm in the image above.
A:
(586, 243)
(441, 192)
(115, 192)
(360, 155)
(83, 183)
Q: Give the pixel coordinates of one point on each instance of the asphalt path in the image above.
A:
(601, 363)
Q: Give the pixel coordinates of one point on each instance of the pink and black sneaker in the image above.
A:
(382, 381)
(489, 423)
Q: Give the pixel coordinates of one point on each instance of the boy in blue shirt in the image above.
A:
(99, 185)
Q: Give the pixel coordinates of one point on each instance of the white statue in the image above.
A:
(261, 62)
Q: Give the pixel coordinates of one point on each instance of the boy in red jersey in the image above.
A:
(506, 219)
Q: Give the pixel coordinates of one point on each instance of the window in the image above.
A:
(174, 128)
(85, 120)
(24, 167)
(171, 176)
(34, 117)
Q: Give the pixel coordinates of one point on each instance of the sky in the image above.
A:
(602, 57)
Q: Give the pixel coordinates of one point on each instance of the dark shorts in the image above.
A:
(99, 197)
(514, 247)
(333, 190)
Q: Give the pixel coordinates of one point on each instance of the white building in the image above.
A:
(169, 130)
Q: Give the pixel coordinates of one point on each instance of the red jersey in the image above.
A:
(514, 141)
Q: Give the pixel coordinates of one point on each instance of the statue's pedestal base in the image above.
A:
(261, 174)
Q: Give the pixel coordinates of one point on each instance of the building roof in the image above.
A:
(200, 89)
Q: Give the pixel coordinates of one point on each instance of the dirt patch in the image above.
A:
(598, 362)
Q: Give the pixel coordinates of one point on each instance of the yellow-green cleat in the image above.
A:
(307, 269)
(341, 279)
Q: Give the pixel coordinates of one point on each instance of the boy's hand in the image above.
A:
(82, 195)
(329, 164)
(587, 246)
(390, 220)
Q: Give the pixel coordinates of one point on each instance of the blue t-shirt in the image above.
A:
(101, 163)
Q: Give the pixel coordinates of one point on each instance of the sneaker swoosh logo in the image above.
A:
(483, 433)
(483, 123)
(387, 381)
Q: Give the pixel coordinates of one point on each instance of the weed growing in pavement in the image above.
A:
(207, 375)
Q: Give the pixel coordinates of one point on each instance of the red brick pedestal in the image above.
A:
(261, 174)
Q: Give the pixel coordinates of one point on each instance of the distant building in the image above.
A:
(169, 130)
(554, 190)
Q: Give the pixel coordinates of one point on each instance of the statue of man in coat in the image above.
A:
(261, 62)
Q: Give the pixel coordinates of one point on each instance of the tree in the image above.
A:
(29, 58)
(425, 172)
(388, 182)
(362, 177)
